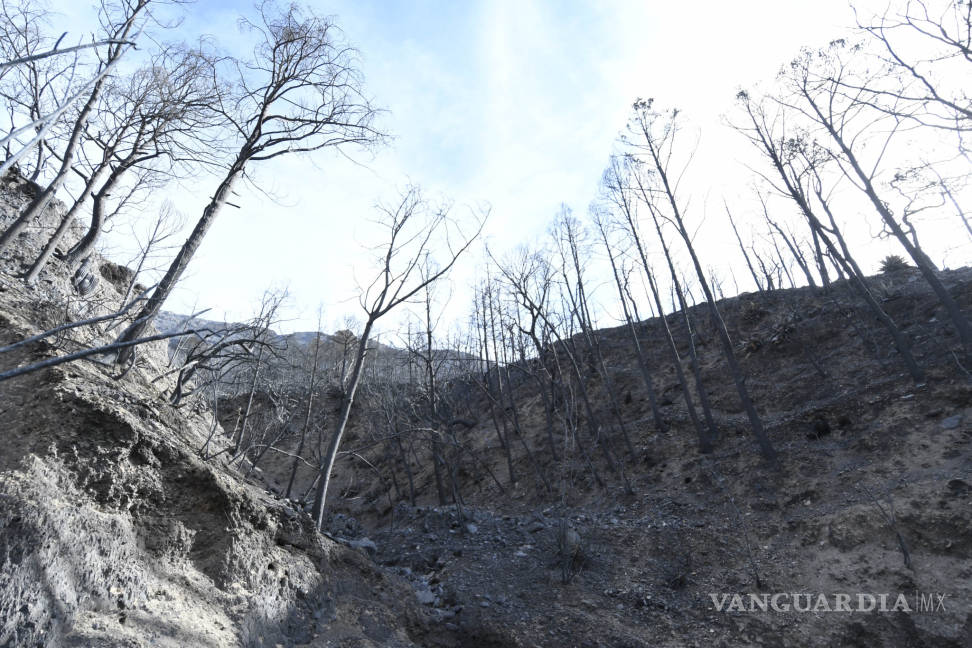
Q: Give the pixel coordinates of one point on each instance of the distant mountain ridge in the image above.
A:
(302, 341)
(168, 322)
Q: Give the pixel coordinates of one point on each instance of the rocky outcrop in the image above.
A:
(113, 529)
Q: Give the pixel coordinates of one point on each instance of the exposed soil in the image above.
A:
(859, 440)
(114, 531)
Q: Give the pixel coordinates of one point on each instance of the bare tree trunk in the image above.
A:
(742, 248)
(514, 411)
(307, 414)
(901, 341)
(430, 385)
(593, 426)
(570, 421)
(86, 245)
(924, 264)
(713, 430)
(594, 348)
(625, 203)
(735, 370)
(249, 402)
(487, 336)
(761, 137)
(454, 483)
(436, 470)
(332, 448)
(821, 261)
(403, 457)
(52, 243)
(547, 397)
(794, 250)
(42, 200)
(152, 307)
(705, 443)
(646, 376)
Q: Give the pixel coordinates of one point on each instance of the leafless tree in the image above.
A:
(119, 22)
(619, 189)
(414, 229)
(155, 125)
(528, 275)
(600, 220)
(507, 356)
(30, 81)
(700, 389)
(166, 225)
(653, 136)
(216, 354)
(311, 387)
(791, 243)
(491, 385)
(815, 81)
(572, 243)
(793, 166)
(927, 46)
(300, 92)
(742, 248)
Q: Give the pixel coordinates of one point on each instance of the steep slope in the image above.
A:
(870, 463)
(115, 532)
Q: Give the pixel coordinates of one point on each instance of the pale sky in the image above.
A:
(513, 104)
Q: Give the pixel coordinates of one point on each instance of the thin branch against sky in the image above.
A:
(510, 103)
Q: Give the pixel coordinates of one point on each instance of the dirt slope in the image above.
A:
(113, 530)
(859, 442)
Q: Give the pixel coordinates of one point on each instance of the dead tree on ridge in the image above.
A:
(630, 321)
(766, 131)
(300, 92)
(414, 228)
(816, 84)
(119, 26)
(618, 189)
(153, 125)
(653, 137)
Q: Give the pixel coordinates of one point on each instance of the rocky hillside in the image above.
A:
(116, 531)
(872, 495)
(295, 351)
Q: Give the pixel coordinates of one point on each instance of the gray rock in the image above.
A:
(952, 422)
(365, 543)
(425, 597)
(471, 528)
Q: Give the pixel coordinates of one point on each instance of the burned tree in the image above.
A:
(119, 23)
(620, 191)
(414, 228)
(153, 125)
(926, 46)
(652, 138)
(300, 92)
(816, 85)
